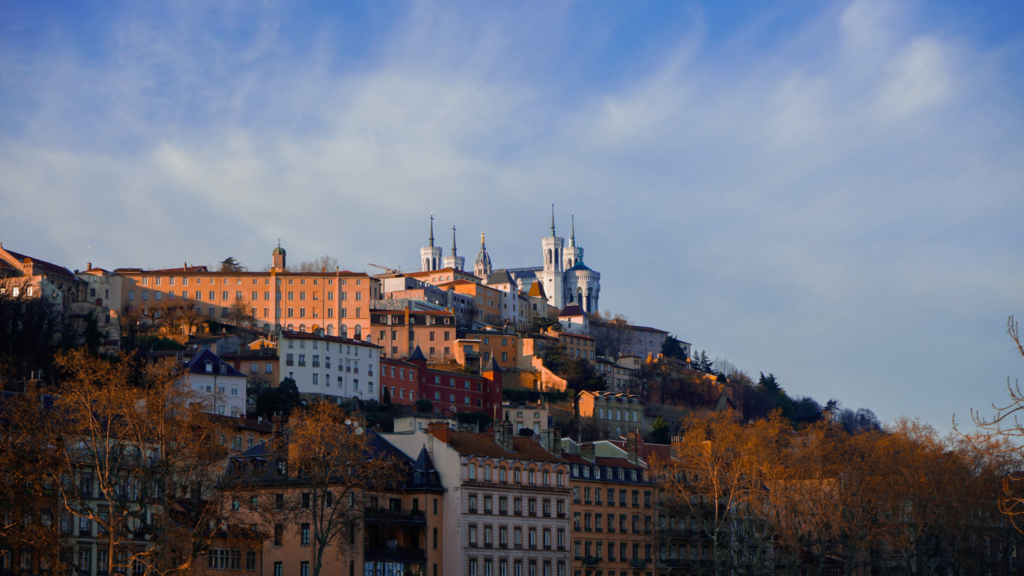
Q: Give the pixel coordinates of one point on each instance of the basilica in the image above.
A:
(564, 280)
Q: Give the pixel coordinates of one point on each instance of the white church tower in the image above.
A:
(482, 268)
(551, 276)
(430, 255)
(454, 261)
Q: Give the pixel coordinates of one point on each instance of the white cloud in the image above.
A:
(821, 209)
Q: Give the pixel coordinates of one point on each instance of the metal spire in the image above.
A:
(454, 254)
(431, 230)
(573, 237)
(552, 220)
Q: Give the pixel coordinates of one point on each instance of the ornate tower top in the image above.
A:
(430, 255)
(454, 261)
(482, 266)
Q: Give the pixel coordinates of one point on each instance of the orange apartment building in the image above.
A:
(398, 332)
(337, 302)
(613, 511)
(488, 300)
(503, 347)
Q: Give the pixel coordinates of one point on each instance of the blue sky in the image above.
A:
(829, 191)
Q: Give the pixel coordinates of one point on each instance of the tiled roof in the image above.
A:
(648, 328)
(645, 451)
(500, 277)
(36, 262)
(311, 336)
(572, 310)
(471, 444)
(600, 461)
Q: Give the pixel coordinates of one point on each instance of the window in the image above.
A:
(304, 569)
(304, 535)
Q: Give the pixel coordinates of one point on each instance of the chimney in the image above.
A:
(88, 265)
(633, 442)
(503, 435)
(27, 267)
(549, 440)
(439, 430)
(587, 451)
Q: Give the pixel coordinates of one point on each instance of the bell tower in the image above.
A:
(552, 275)
(278, 257)
(430, 255)
(455, 261)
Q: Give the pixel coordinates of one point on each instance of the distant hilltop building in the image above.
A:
(564, 280)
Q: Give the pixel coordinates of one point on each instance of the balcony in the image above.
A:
(531, 513)
(503, 512)
(561, 514)
(503, 545)
(383, 515)
(406, 555)
(547, 514)
(518, 513)
(638, 562)
(587, 502)
(591, 560)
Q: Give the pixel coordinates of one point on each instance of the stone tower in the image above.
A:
(430, 255)
(482, 267)
(552, 274)
(278, 257)
(454, 261)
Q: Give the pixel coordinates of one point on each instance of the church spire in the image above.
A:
(454, 252)
(431, 230)
(573, 234)
(552, 220)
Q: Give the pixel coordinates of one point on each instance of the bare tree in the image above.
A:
(334, 468)
(611, 333)
(328, 263)
(125, 452)
(191, 316)
(241, 314)
(1002, 433)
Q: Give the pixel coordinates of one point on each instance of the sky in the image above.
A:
(828, 191)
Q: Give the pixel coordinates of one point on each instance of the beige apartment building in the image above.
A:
(614, 414)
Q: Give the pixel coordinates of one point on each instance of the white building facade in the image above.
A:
(330, 366)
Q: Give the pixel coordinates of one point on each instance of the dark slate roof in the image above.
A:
(572, 310)
(500, 277)
(494, 366)
(579, 266)
(417, 354)
(197, 365)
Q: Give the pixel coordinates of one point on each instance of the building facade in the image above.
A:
(338, 302)
(506, 510)
(613, 414)
(399, 332)
(401, 380)
(330, 366)
(613, 510)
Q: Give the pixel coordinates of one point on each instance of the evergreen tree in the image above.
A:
(229, 264)
(661, 433)
(387, 396)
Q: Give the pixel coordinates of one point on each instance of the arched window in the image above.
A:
(549, 256)
(359, 331)
(302, 327)
(291, 327)
(344, 331)
(330, 330)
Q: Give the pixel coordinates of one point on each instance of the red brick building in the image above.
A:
(453, 392)
(400, 379)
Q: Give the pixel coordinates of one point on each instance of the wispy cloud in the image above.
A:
(835, 204)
